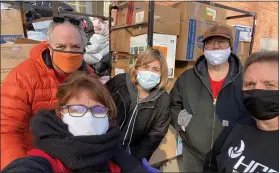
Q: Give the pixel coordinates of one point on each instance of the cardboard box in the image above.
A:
(122, 63)
(243, 47)
(243, 57)
(11, 25)
(169, 148)
(12, 55)
(26, 41)
(166, 19)
(181, 66)
(189, 44)
(201, 11)
(121, 16)
(165, 43)
(120, 40)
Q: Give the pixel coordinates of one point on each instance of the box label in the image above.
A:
(9, 38)
(139, 17)
(210, 14)
(191, 39)
(179, 145)
(245, 32)
(235, 46)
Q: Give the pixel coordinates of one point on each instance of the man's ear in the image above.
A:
(84, 50)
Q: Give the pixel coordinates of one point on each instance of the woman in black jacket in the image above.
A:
(80, 135)
(142, 103)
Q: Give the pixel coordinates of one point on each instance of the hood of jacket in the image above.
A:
(235, 67)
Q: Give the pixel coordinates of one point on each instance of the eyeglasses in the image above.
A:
(59, 19)
(223, 43)
(80, 110)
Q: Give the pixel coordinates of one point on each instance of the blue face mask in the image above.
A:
(147, 79)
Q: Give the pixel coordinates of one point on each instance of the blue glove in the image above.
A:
(148, 167)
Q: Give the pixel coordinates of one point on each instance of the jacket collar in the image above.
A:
(235, 67)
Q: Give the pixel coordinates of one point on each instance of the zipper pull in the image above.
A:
(214, 102)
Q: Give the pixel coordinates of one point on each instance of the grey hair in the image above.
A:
(53, 25)
(264, 56)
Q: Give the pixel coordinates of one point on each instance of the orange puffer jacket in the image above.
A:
(29, 87)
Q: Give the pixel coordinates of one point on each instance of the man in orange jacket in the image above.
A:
(32, 85)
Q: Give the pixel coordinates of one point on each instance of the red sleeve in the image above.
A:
(114, 168)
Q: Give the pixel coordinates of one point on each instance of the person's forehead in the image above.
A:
(264, 71)
(155, 63)
(66, 30)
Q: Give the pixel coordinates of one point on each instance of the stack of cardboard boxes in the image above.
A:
(134, 40)
(13, 49)
(178, 32)
(243, 50)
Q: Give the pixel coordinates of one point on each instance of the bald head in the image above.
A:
(66, 36)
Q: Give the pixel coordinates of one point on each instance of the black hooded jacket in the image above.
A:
(192, 92)
(143, 123)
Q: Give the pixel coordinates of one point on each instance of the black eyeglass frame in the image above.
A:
(87, 109)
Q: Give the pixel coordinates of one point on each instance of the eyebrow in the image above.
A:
(157, 68)
(59, 44)
(268, 81)
(76, 45)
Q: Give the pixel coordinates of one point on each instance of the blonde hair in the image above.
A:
(146, 57)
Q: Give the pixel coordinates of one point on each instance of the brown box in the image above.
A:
(189, 42)
(243, 57)
(243, 47)
(201, 11)
(11, 25)
(166, 19)
(181, 66)
(120, 40)
(167, 149)
(121, 16)
(12, 55)
(121, 64)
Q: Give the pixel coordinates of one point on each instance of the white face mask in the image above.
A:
(217, 57)
(147, 79)
(86, 125)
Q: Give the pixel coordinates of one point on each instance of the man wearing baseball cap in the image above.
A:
(206, 99)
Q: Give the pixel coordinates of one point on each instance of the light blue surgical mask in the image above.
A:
(147, 79)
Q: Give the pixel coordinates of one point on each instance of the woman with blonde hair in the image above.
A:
(80, 135)
(142, 103)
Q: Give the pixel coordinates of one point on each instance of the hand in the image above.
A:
(148, 167)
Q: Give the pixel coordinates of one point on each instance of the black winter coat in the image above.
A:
(192, 91)
(143, 123)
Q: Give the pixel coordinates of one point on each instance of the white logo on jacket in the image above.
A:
(235, 152)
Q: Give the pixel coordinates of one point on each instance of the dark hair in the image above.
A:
(264, 56)
(79, 82)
